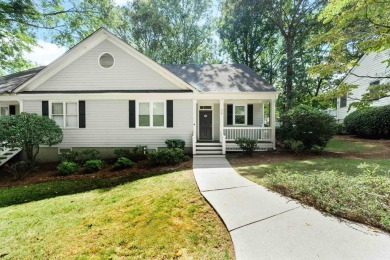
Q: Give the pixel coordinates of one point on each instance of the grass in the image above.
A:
(355, 189)
(162, 216)
(345, 146)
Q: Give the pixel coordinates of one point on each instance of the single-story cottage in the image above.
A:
(104, 94)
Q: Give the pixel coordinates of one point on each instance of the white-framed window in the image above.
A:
(151, 114)
(4, 111)
(106, 60)
(239, 114)
(65, 114)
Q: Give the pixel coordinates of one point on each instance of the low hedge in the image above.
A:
(372, 122)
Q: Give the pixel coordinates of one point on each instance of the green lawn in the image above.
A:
(346, 146)
(161, 216)
(354, 189)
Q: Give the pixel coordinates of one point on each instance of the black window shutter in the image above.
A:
(229, 114)
(12, 110)
(250, 114)
(131, 113)
(169, 113)
(81, 114)
(45, 108)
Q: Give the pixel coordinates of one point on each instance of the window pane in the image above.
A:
(71, 121)
(158, 108)
(57, 109)
(59, 120)
(4, 111)
(240, 120)
(158, 120)
(71, 108)
(144, 120)
(239, 110)
(144, 108)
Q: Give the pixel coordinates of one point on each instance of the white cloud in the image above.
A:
(45, 52)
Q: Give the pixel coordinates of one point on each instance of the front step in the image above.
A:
(7, 154)
(208, 149)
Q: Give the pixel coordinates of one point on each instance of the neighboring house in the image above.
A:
(370, 70)
(105, 95)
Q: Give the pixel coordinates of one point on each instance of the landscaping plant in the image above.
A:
(122, 152)
(88, 154)
(93, 165)
(372, 122)
(247, 145)
(175, 143)
(139, 153)
(67, 168)
(71, 156)
(29, 131)
(167, 157)
(123, 163)
(308, 125)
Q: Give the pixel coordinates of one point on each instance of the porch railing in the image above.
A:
(258, 133)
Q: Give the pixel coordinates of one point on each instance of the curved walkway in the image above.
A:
(266, 225)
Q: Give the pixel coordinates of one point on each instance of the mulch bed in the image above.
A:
(47, 172)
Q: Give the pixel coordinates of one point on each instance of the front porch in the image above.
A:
(218, 123)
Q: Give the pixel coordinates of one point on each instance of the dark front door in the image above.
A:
(205, 125)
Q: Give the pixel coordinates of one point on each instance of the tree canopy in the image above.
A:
(355, 27)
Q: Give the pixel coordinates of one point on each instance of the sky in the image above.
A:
(47, 52)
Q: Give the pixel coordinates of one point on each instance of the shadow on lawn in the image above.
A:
(34, 192)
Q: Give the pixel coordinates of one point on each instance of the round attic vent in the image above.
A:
(106, 60)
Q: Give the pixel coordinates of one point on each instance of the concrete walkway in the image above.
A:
(266, 225)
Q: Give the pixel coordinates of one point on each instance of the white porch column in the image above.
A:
(273, 121)
(194, 134)
(21, 106)
(222, 138)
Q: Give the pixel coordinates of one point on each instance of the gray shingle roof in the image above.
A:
(12, 81)
(221, 78)
(205, 78)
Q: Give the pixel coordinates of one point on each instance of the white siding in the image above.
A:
(371, 65)
(86, 74)
(33, 107)
(257, 114)
(107, 125)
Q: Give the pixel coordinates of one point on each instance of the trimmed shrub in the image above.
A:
(67, 168)
(69, 156)
(139, 153)
(22, 168)
(167, 157)
(93, 165)
(175, 143)
(296, 146)
(308, 125)
(372, 122)
(122, 152)
(247, 145)
(89, 154)
(123, 163)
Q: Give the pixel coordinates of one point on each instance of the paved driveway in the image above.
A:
(266, 225)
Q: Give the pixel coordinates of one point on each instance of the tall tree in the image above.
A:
(356, 27)
(171, 31)
(249, 37)
(294, 20)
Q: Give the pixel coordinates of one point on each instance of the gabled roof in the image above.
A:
(12, 81)
(85, 45)
(221, 78)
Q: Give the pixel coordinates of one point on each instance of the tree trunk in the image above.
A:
(289, 72)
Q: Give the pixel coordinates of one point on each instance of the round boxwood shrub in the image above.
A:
(67, 168)
(93, 165)
(312, 127)
(167, 157)
(372, 122)
(123, 163)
